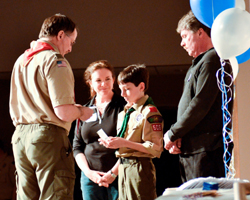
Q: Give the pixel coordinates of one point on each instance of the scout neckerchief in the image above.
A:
(125, 122)
(36, 48)
(127, 115)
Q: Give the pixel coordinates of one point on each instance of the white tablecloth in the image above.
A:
(173, 194)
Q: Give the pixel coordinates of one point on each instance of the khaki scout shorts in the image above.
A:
(44, 162)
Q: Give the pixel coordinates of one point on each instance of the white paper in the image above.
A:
(102, 134)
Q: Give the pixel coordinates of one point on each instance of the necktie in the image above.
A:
(125, 122)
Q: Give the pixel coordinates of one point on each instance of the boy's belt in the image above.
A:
(128, 160)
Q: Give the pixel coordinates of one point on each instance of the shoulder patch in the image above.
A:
(61, 63)
(153, 109)
(155, 119)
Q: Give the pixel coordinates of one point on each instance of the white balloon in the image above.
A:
(240, 4)
(235, 66)
(230, 32)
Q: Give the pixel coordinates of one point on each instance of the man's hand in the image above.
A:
(86, 113)
(167, 142)
(173, 147)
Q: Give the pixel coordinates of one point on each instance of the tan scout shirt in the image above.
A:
(141, 129)
(46, 82)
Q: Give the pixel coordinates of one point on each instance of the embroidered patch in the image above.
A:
(157, 127)
(139, 117)
(155, 119)
(61, 63)
(153, 109)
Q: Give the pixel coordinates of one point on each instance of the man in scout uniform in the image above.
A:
(139, 139)
(42, 107)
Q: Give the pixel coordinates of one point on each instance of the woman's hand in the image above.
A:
(106, 179)
(94, 176)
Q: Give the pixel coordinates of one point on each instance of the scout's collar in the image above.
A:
(142, 102)
(36, 47)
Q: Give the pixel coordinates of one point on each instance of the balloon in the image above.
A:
(207, 10)
(235, 67)
(240, 4)
(243, 57)
(230, 33)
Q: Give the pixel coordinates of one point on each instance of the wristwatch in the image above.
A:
(112, 174)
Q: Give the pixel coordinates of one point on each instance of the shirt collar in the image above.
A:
(138, 105)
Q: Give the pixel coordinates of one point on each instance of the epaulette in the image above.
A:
(153, 109)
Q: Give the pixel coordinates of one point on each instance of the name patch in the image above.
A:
(157, 127)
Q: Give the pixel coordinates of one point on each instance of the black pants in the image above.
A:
(204, 164)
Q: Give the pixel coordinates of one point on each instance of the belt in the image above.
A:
(128, 160)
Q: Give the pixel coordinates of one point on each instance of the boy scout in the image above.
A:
(139, 139)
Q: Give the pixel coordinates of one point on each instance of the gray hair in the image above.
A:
(190, 22)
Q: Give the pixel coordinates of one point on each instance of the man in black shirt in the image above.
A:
(197, 134)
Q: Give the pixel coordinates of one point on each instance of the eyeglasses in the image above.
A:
(72, 41)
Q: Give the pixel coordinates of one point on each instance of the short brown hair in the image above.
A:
(135, 74)
(52, 25)
(190, 22)
(92, 68)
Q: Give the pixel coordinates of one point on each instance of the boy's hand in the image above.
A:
(113, 142)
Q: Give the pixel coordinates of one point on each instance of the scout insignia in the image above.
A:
(153, 109)
(157, 127)
(155, 119)
(139, 117)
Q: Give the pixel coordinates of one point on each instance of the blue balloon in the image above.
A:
(243, 57)
(207, 10)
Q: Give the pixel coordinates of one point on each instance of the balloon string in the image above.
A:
(227, 96)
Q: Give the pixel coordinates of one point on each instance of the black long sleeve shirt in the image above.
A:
(199, 118)
(86, 138)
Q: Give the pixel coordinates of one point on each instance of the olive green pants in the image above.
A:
(136, 180)
(44, 162)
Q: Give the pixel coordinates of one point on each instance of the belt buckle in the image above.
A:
(127, 160)
(124, 160)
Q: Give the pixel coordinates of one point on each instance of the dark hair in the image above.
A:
(101, 64)
(135, 74)
(52, 25)
(190, 22)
